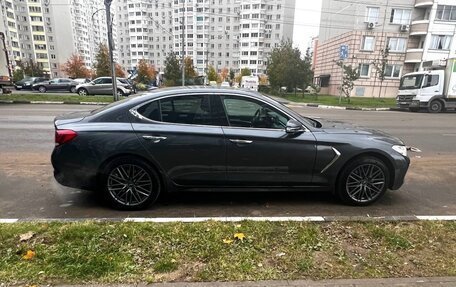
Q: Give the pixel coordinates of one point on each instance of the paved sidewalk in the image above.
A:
(390, 282)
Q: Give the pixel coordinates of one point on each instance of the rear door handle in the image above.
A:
(155, 139)
(238, 141)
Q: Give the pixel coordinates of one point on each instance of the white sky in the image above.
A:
(306, 22)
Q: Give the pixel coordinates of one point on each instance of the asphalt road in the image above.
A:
(28, 190)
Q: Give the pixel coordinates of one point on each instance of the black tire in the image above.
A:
(83, 92)
(435, 106)
(130, 184)
(120, 93)
(42, 89)
(73, 90)
(363, 181)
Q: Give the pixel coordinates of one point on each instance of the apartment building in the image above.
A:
(365, 28)
(415, 31)
(432, 32)
(230, 34)
(24, 22)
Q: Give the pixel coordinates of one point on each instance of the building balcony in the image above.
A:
(413, 56)
(423, 3)
(419, 27)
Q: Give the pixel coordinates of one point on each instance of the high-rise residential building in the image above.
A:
(24, 22)
(432, 32)
(358, 32)
(74, 26)
(414, 31)
(230, 34)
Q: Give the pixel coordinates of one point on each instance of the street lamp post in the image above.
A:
(183, 48)
(111, 48)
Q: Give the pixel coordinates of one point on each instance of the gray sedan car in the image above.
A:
(209, 139)
(103, 86)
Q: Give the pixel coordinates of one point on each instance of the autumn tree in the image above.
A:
(172, 70)
(246, 72)
(224, 74)
(263, 80)
(119, 71)
(146, 72)
(75, 67)
(189, 68)
(211, 74)
(380, 67)
(102, 61)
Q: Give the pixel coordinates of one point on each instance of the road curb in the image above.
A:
(317, 219)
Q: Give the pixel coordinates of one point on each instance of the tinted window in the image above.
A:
(244, 112)
(184, 110)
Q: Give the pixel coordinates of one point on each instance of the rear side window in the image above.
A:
(182, 110)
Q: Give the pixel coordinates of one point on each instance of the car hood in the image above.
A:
(348, 129)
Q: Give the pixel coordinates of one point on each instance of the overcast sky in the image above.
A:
(306, 22)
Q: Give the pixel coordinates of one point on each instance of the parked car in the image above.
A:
(81, 80)
(128, 84)
(102, 86)
(209, 139)
(58, 84)
(27, 83)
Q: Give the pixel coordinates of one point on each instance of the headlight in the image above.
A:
(400, 149)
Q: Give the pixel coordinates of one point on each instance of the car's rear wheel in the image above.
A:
(83, 92)
(363, 181)
(73, 90)
(130, 184)
(42, 89)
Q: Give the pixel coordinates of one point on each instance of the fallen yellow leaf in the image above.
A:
(29, 255)
(227, 241)
(239, 236)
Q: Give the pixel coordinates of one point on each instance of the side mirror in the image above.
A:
(294, 127)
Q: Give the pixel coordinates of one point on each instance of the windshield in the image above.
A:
(411, 82)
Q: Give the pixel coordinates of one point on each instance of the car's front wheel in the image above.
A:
(130, 184)
(363, 181)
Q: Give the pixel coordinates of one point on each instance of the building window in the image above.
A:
(446, 13)
(368, 43)
(397, 44)
(372, 14)
(440, 42)
(363, 70)
(393, 71)
(401, 16)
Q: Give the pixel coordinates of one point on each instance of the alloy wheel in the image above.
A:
(130, 185)
(365, 183)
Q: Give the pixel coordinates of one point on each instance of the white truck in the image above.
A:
(250, 83)
(5, 73)
(433, 89)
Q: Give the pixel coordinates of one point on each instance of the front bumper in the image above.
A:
(402, 164)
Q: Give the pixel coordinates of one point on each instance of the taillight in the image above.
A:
(64, 136)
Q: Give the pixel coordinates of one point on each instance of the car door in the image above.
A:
(64, 84)
(259, 151)
(180, 136)
(52, 85)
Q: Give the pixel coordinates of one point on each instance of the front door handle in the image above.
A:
(237, 141)
(155, 139)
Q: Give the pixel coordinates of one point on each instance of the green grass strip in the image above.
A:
(89, 252)
(364, 102)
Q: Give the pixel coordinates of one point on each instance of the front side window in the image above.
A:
(397, 44)
(368, 43)
(393, 71)
(242, 112)
(440, 42)
(401, 16)
(430, 81)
